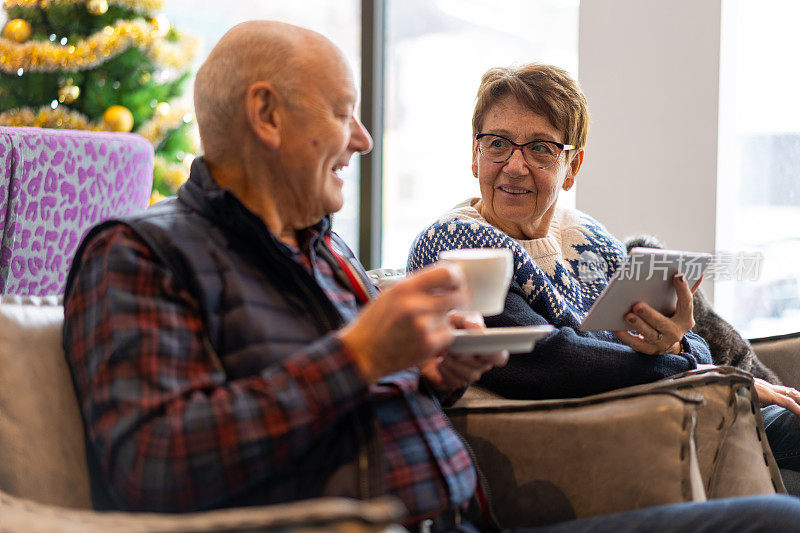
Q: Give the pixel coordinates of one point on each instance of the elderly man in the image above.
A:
(226, 346)
(222, 342)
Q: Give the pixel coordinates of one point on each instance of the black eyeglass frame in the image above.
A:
(514, 146)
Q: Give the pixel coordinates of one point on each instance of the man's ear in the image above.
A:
(262, 104)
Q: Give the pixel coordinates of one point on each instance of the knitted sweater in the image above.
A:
(556, 280)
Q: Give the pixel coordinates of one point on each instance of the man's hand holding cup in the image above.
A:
(412, 322)
(487, 274)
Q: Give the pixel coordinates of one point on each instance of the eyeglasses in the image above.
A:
(538, 154)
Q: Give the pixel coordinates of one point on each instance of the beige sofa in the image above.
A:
(688, 438)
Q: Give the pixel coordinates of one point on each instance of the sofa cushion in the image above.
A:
(42, 451)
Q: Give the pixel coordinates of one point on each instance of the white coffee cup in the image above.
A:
(487, 274)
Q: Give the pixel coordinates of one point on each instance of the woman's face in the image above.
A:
(516, 197)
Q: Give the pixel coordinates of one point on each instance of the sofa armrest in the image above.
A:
(582, 457)
(732, 449)
(324, 514)
(685, 438)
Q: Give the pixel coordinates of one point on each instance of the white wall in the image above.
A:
(650, 70)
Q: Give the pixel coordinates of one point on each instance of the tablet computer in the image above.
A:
(644, 276)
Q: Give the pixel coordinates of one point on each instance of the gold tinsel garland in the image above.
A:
(173, 174)
(153, 130)
(37, 56)
(45, 117)
(141, 6)
(174, 54)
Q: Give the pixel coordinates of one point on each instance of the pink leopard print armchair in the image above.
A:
(55, 185)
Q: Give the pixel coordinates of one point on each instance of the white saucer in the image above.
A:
(515, 339)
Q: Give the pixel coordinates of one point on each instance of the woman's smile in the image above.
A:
(515, 191)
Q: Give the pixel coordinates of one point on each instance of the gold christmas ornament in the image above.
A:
(118, 118)
(68, 93)
(97, 7)
(18, 30)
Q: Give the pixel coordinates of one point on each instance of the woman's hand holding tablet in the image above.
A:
(645, 276)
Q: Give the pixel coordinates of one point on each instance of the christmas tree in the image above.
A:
(109, 65)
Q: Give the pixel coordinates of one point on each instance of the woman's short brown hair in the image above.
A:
(544, 89)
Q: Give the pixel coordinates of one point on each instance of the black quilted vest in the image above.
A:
(258, 306)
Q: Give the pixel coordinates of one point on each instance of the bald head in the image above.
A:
(261, 50)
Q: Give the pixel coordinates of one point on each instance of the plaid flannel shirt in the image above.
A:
(173, 433)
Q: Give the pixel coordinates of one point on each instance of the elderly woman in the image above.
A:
(530, 126)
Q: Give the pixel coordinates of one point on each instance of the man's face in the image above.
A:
(321, 135)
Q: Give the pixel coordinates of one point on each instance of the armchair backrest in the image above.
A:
(41, 429)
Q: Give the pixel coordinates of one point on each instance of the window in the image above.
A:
(759, 179)
(436, 52)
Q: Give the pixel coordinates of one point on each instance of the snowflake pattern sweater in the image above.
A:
(556, 280)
